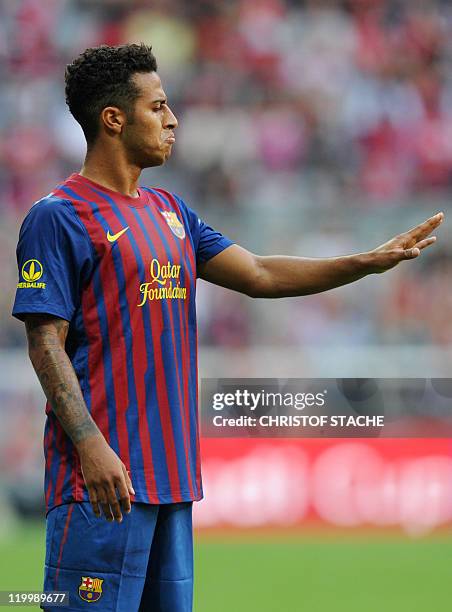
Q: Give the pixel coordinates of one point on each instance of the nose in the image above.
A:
(170, 119)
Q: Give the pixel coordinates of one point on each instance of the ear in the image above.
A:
(113, 119)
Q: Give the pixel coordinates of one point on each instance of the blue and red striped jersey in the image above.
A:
(122, 271)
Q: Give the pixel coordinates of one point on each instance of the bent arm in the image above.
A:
(46, 341)
(105, 475)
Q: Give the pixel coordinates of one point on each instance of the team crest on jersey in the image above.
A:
(174, 224)
(90, 589)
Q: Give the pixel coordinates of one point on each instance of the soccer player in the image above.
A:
(107, 279)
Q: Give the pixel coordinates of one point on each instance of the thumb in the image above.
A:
(128, 481)
(412, 253)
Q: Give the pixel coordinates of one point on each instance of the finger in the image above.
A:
(128, 481)
(123, 493)
(114, 503)
(125, 490)
(93, 500)
(411, 253)
(425, 228)
(425, 243)
(103, 500)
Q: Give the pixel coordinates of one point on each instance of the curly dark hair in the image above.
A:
(100, 77)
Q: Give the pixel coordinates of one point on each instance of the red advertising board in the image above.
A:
(405, 483)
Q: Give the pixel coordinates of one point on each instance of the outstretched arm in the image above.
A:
(281, 276)
(102, 469)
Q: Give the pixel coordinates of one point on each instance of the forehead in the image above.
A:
(149, 84)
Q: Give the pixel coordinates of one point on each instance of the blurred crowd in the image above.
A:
(311, 128)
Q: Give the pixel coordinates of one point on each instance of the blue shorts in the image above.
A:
(144, 564)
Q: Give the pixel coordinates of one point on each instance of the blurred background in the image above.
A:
(308, 128)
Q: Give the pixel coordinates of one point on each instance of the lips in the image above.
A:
(171, 139)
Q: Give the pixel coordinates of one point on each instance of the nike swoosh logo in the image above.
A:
(114, 237)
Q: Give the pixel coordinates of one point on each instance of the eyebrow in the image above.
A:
(162, 100)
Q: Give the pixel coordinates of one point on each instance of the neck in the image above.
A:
(111, 170)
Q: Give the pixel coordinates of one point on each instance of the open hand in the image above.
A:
(405, 246)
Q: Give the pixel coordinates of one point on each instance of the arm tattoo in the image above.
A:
(46, 339)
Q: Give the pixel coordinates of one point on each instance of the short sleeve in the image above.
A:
(207, 241)
(210, 242)
(54, 258)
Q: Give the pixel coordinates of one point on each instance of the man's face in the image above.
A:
(148, 136)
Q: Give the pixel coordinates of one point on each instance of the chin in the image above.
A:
(155, 161)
